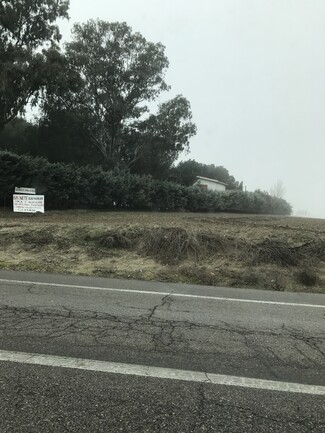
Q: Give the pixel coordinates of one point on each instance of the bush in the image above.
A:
(67, 186)
(307, 276)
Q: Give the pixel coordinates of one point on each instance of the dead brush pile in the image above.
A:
(170, 245)
(314, 249)
(281, 253)
(273, 252)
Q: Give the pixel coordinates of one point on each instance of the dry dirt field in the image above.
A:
(277, 253)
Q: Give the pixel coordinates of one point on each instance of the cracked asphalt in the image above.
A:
(266, 341)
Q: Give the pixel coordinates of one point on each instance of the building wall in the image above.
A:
(212, 186)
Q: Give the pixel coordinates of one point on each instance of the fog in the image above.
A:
(254, 74)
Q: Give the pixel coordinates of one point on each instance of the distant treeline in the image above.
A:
(68, 186)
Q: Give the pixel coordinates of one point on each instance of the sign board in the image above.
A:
(28, 203)
(19, 190)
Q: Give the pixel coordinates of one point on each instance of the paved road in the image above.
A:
(248, 334)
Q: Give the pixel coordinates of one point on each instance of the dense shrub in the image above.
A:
(69, 186)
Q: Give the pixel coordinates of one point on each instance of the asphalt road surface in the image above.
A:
(82, 354)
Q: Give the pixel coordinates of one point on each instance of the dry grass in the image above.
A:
(171, 245)
(213, 249)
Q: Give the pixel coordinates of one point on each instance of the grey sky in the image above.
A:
(254, 72)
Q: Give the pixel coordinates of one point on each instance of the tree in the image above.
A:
(28, 50)
(120, 73)
(18, 136)
(277, 190)
(62, 137)
(187, 171)
(161, 138)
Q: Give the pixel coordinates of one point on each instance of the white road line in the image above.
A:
(179, 295)
(158, 372)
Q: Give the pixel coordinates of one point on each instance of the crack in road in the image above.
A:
(166, 299)
(286, 347)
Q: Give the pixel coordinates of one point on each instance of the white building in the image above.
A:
(206, 183)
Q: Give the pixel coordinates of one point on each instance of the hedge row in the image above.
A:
(69, 186)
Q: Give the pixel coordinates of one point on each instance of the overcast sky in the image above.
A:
(254, 73)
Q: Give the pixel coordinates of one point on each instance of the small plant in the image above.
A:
(37, 238)
(277, 283)
(307, 276)
(114, 240)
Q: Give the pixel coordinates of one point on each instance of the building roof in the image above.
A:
(210, 180)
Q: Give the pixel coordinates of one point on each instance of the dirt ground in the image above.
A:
(277, 253)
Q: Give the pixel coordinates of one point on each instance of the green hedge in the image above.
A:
(69, 186)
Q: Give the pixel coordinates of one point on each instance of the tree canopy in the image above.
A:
(186, 172)
(28, 49)
(96, 95)
(120, 73)
(156, 143)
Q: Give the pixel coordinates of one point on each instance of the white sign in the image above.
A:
(25, 190)
(28, 203)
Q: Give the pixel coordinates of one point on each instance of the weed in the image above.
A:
(198, 275)
(114, 240)
(276, 283)
(37, 238)
(307, 276)
(249, 277)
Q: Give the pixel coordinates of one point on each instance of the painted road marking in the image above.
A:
(157, 372)
(179, 295)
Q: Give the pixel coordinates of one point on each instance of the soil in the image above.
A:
(267, 252)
